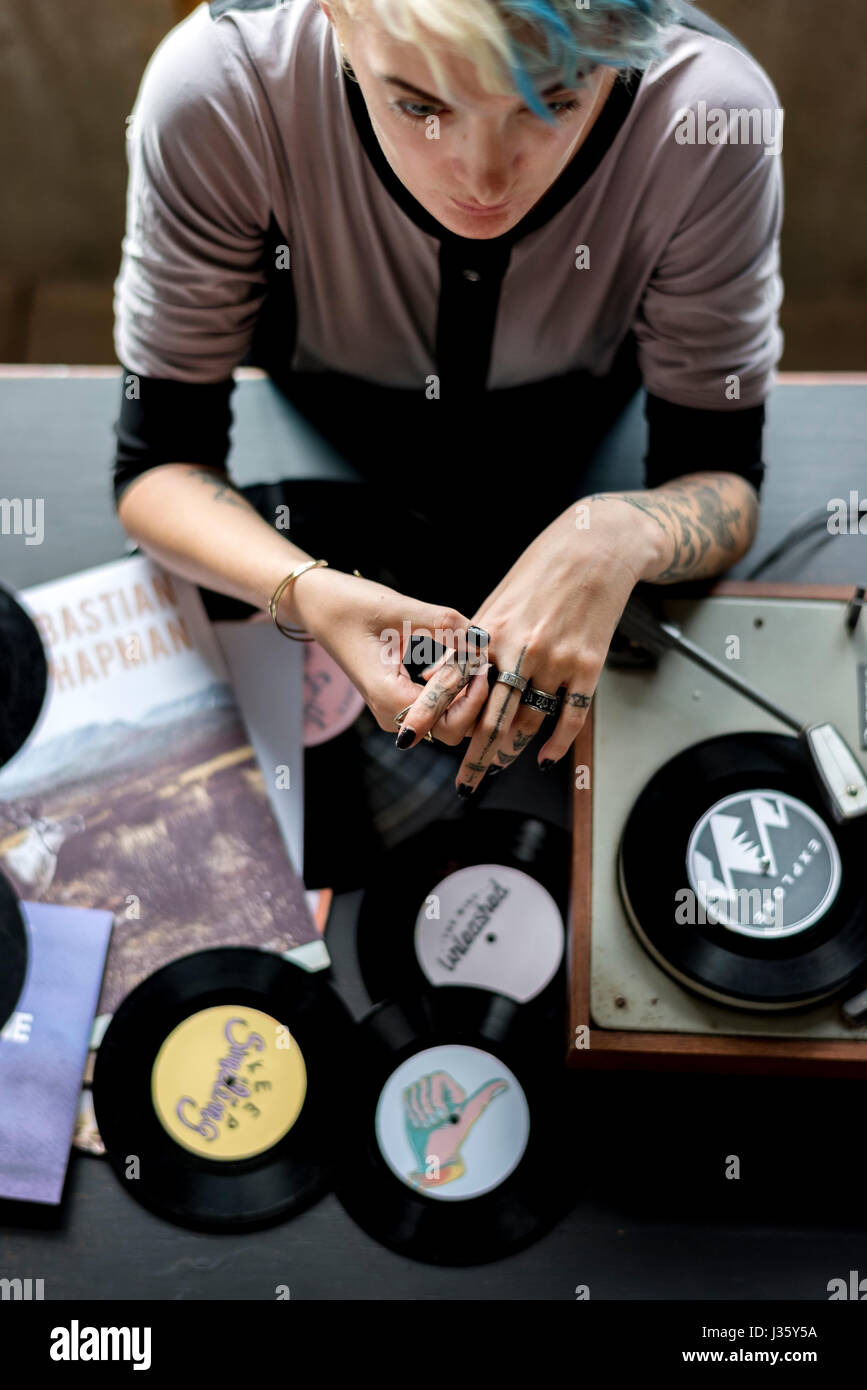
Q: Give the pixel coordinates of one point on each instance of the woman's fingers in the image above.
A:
(462, 714)
(577, 699)
(506, 725)
(453, 673)
(395, 624)
(503, 730)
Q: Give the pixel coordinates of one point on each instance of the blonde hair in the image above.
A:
(507, 41)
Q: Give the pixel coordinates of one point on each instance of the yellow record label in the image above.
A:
(229, 1082)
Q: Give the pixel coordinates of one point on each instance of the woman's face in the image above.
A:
(484, 161)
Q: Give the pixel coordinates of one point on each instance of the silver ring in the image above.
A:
(541, 700)
(512, 678)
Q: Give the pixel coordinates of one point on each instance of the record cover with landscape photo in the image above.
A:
(138, 791)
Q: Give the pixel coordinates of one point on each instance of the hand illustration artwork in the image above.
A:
(439, 1116)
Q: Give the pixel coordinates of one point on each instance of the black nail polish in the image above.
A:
(405, 738)
(465, 790)
(548, 762)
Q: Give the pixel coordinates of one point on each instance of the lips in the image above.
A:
(482, 209)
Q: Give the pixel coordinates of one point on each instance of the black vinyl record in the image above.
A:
(13, 950)
(737, 881)
(461, 1125)
(480, 902)
(23, 676)
(214, 1088)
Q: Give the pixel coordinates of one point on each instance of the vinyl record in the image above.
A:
(479, 902)
(13, 950)
(23, 676)
(462, 1141)
(738, 883)
(218, 1074)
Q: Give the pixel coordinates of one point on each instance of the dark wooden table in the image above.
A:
(654, 1217)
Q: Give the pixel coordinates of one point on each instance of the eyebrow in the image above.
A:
(426, 96)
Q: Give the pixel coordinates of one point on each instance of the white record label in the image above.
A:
(492, 927)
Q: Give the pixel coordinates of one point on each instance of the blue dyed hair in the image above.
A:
(616, 33)
(511, 41)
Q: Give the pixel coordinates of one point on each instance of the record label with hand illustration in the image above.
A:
(735, 881)
(439, 1128)
(479, 903)
(461, 1125)
(214, 1088)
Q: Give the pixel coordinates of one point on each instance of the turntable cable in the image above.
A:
(813, 523)
(840, 776)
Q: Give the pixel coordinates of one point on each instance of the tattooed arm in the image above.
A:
(695, 526)
(192, 521)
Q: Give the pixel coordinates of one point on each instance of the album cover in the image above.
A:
(43, 1048)
(139, 791)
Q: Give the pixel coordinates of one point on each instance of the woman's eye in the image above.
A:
(421, 112)
(418, 111)
(565, 106)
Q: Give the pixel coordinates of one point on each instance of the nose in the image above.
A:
(485, 169)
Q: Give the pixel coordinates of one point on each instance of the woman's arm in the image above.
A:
(551, 618)
(191, 520)
(701, 524)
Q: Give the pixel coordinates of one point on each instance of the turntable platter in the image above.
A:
(737, 883)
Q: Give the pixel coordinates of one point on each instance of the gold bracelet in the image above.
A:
(278, 593)
(280, 590)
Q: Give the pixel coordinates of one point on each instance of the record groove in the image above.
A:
(23, 676)
(13, 950)
(462, 1128)
(219, 1074)
(734, 829)
(479, 902)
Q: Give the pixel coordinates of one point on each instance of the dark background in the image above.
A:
(70, 69)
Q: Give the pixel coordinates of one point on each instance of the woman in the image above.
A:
(457, 234)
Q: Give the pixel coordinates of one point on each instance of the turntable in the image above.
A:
(719, 890)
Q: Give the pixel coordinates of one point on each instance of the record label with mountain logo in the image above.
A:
(229, 1082)
(736, 883)
(763, 863)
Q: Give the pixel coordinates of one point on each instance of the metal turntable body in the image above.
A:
(797, 651)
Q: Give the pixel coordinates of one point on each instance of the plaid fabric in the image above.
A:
(406, 789)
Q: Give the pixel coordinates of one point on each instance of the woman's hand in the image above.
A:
(366, 627)
(550, 619)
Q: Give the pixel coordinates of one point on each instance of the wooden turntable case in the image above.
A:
(604, 1048)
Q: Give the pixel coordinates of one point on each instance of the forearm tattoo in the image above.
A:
(222, 491)
(709, 521)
